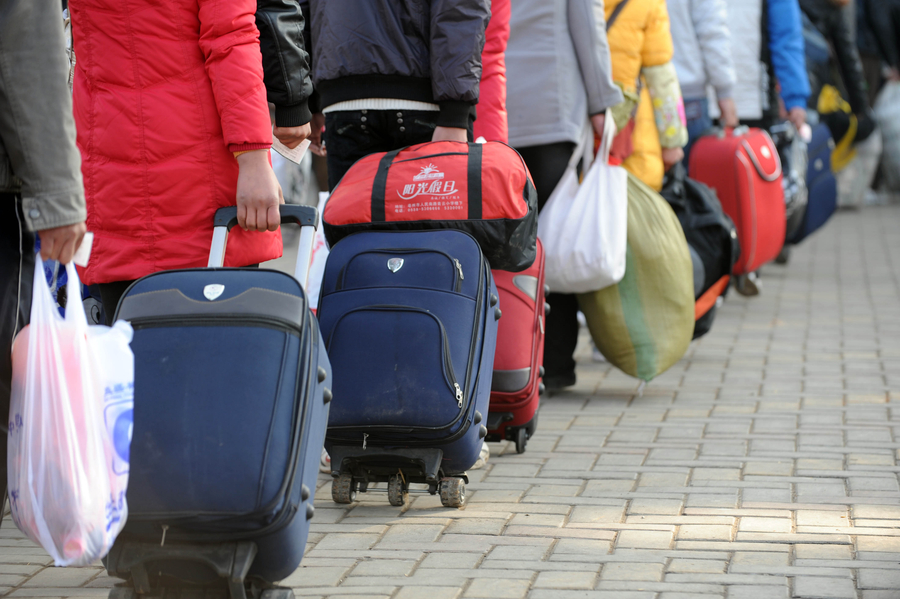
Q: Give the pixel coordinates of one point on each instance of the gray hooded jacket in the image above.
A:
(558, 70)
(38, 156)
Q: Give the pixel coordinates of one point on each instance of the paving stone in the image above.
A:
(62, 577)
(698, 532)
(755, 524)
(685, 565)
(317, 576)
(434, 592)
(668, 507)
(565, 580)
(644, 539)
(632, 571)
(739, 591)
(823, 588)
(497, 588)
(870, 578)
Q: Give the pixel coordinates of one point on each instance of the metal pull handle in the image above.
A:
(305, 216)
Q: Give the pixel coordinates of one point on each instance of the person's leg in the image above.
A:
(110, 295)
(696, 110)
(547, 165)
(349, 136)
(16, 279)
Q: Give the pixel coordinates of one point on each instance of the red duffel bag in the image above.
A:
(482, 189)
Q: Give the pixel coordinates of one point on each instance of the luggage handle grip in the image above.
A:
(305, 216)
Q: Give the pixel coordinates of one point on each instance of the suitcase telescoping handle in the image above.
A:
(305, 216)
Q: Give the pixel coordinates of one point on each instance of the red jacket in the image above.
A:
(164, 93)
(491, 122)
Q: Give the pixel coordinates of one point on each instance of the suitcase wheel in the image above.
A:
(343, 488)
(521, 440)
(398, 489)
(453, 492)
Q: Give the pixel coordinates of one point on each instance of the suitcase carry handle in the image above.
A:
(305, 216)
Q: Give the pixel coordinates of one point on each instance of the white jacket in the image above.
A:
(558, 70)
(745, 24)
(702, 44)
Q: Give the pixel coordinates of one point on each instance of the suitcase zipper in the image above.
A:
(457, 279)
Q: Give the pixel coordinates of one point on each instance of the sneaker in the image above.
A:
(482, 457)
(325, 463)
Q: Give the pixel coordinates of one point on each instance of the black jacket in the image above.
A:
(285, 60)
(831, 21)
(424, 50)
(883, 18)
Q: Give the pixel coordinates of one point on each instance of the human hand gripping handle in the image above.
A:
(258, 193)
(605, 126)
(305, 216)
(61, 243)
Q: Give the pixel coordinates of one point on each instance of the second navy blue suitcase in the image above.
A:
(230, 410)
(821, 185)
(410, 323)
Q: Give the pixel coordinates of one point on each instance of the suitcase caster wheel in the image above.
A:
(343, 488)
(521, 440)
(398, 490)
(453, 492)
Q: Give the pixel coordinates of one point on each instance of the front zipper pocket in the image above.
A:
(393, 368)
(420, 268)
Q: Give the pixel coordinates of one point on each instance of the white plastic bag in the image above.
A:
(319, 258)
(887, 114)
(584, 227)
(70, 428)
(855, 180)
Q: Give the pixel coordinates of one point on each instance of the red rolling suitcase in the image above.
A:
(516, 384)
(743, 168)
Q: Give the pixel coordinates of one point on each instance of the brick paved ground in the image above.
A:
(763, 466)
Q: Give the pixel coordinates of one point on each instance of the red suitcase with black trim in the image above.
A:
(516, 385)
(743, 168)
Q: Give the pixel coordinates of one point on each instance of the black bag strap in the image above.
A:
(615, 14)
(473, 176)
(379, 186)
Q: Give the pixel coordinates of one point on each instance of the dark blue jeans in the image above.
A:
(698, 121)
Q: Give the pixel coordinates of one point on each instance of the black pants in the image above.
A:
(16, 279)
(547, 165)
(110, 294)
(353, 134)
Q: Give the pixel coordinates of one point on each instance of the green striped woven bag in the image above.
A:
(644, 324)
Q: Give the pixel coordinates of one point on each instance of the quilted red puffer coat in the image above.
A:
(492, 123)
(165, 91)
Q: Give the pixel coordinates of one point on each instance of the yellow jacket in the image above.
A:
(639, 39)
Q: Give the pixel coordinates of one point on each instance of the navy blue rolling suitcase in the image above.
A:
(410, 322)
(820, 182)
(230, 409)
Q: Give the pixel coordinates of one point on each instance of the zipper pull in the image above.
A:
(459, 268)
(165, 529)
(459, 395)
(365, 436)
